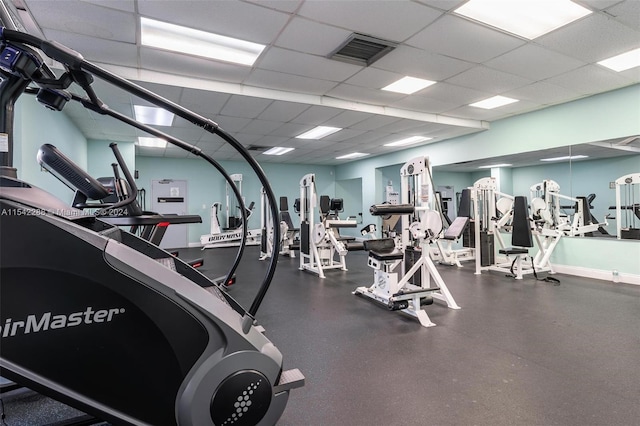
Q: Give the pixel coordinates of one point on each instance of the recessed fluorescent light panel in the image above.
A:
(494, 166)
(352, 155)
(153, 115)
(278, 150)
(319, 132)
(180, 39)
(408, 141)
(152, 142)
(624, 61)
(526, 18)
(494, 102)
(408, 85)
(566, 157)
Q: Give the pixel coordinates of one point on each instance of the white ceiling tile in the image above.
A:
(98, 49)
(289, 82)
(627, 13)
(204, 102)
(425, 104)
(444, 4)
(375, 122)
(456, 94)
(282, 111)
(307, 36)
(488, 80)
(373, 77)
(124, 5)
(404, 126)
(391, 20)
(245, 106)
(207, 69)
(232, 124)
(348, 118)
(361, 94)
(288, 6)
(422, 64)
(592, 38)
(534, 62)
(590, 79)
(598, 4)
(343, 135)
(465, 40)
(543, 93)
(287, 61)
(290, 130)
(229, 18)
(87, 19)
(261, 127)
(172, 93)
(316, 115)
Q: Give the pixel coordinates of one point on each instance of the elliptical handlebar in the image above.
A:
(81, 71)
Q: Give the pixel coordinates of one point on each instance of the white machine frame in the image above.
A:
(393, 287)
(545, 201)
(627, 192)
(223, 237)
(324, 251)
(266, 224)
(485, 211)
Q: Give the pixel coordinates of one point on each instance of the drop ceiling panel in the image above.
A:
(590, 79)
(488, 80)
(123, 5)
(361, 94)
(457, 94)
(373, 77)
(229, 18)
(282, 111)
(289, 82)
(382, 19)
(204, 102)
(534, 62)
(542, 93)
(627, 13)
(290, 62)
(245, 106)
(261, 127)
(97, 49)
(459, 38)
(290, 130)
(177, 64)
(424, 103)
(87, 19)
(304, 35)
(316, 115)
(375, 122)
(591, 39)
(422, 64)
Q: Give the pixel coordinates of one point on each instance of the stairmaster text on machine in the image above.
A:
(48, 321)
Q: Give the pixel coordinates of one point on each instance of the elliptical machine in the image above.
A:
(104, 320)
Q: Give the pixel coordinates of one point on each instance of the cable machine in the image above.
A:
(628, 207)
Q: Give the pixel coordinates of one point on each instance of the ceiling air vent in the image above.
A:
(360, 49)
(258, 148)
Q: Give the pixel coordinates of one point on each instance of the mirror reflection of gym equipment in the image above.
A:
(627, 207)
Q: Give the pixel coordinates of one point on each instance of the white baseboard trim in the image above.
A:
(598, 274)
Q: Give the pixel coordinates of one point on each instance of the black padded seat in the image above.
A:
(383, 249)
(513, 250)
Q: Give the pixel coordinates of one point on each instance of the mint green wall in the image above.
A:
(36, 125)
(351, 193)
(206, 185)
(100, 157)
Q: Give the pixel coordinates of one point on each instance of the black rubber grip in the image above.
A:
(386, 209)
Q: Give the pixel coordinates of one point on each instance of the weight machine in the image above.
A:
(287, 231)
(402, 267)
(321, 247)
(628, 207)
(231, 234)
(546, 207)
(495, 212)
(444, 252)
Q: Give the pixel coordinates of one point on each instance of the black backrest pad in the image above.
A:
(521, 236)
(464, 209)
